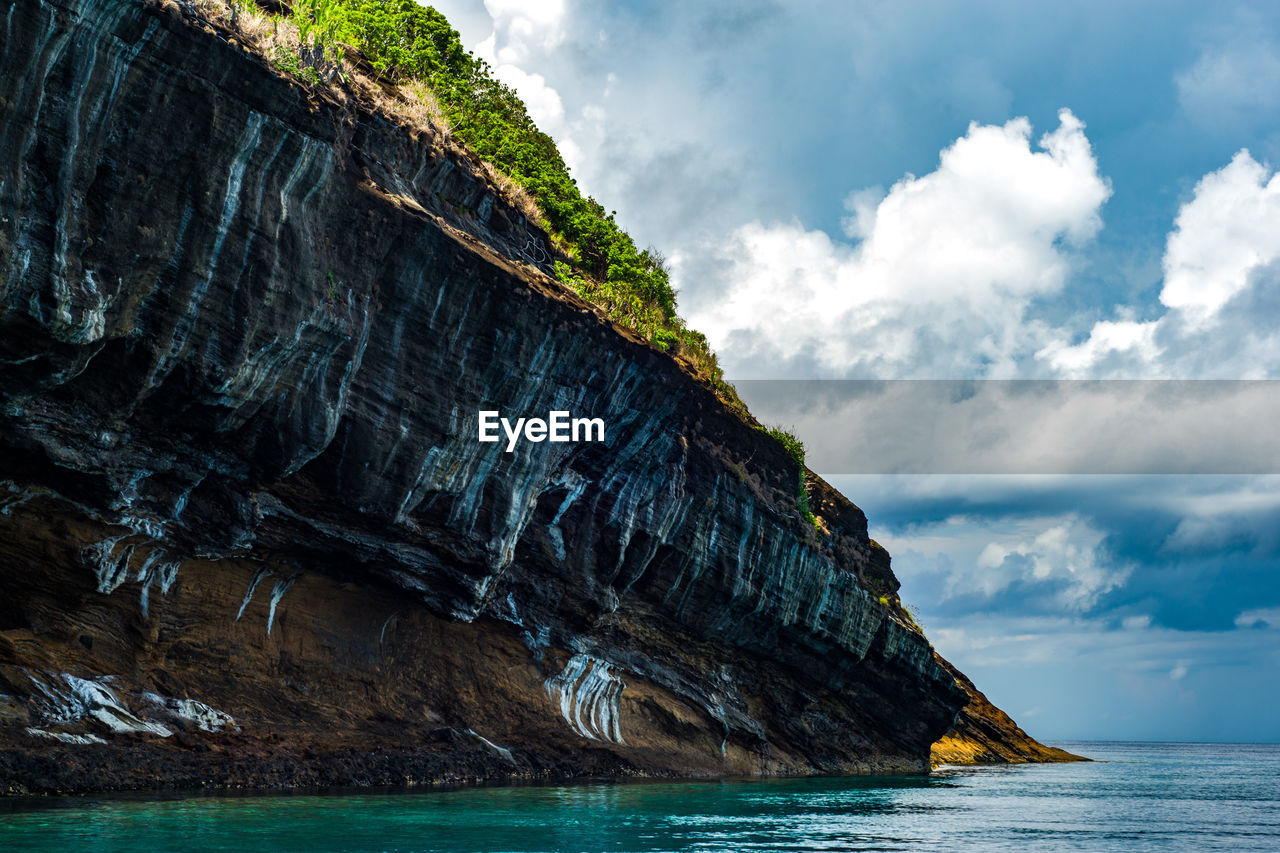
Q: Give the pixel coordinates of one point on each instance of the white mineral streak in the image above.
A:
(16, 497)
(60, 699)
(588, 694)
(277, 593)
(716, 699)
(334, 410)
(258, 577)
(92, 301)
(111, 563)
(102, 704)
(654, 504)
(773, 573)
(577, 485)
(66, 737)
(51, 48)
(462, 466)
(245, 149)
(537, 640)
(144, 577)
(111, 570)
(382, 635)
(191, 712)
(299, 364)
(506, 610)
(716, 709)
(167, 572)
(67, 698)
(154, 570)
(93, 311)
(313, 151)
(464, 469)
(501, 750)
(254, 212)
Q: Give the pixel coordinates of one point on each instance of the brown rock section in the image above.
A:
(983, 734)
(248, 536)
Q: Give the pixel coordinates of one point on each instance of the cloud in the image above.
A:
(1229, 229)
(1128, 338)
(946, 267)
(543, 102)
(523, 30)
(1067, 550)
(1095, 680)
(1046, 564)
(1221, 278)
(523, 26)
(1182, 552)
(1268, 616)
(1233, 84)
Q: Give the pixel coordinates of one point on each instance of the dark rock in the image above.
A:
(243, 343)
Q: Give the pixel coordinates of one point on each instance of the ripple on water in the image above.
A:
(1139, 797)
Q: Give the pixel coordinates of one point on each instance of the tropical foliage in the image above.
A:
(409, 43)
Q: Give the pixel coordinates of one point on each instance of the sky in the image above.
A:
(987, 190)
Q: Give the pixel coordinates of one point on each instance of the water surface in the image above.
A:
(1139, 797)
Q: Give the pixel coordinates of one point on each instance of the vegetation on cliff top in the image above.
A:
(414, 49)
(413, 45)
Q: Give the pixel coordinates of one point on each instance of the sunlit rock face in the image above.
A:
(246, 332)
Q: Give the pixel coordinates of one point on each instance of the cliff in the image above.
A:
(247, 534)
(983, 734)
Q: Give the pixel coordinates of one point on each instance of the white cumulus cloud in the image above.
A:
(1229, 229)
(1130, 338)
(521, 26)
(543, 102)
(524, 33)
(944, 271)
(1219, 260)
(1061, 561)
(1067, 552)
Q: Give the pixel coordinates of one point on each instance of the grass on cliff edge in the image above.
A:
(439, 83)
(414, 48)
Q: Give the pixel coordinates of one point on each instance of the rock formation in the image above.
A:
(248, 536)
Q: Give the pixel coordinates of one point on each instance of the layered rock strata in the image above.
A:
(247, 533)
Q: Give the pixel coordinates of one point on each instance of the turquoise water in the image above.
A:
(1141, 797)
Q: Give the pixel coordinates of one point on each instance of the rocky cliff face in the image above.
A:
(247, 533)
(983, 734)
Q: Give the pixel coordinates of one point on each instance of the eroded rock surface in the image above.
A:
(247, 533)
(983, 734)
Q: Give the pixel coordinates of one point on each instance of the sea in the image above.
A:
(1134, 796)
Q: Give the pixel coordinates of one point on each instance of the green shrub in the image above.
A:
(913, 616)
(795, 448)
(790, 443)
(406, 43)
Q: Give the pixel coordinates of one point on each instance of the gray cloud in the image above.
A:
(1027, 426)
